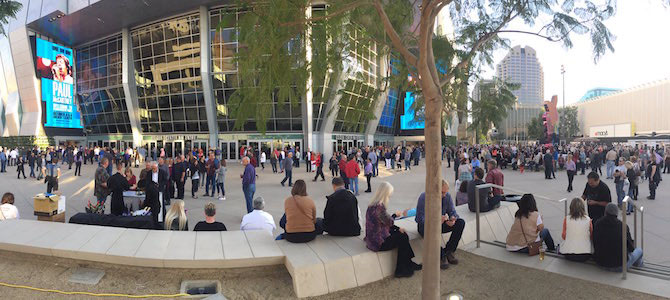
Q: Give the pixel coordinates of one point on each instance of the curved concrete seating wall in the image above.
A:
(325, 265)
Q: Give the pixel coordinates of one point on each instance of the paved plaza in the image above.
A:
(408, 185)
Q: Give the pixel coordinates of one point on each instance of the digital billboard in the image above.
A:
(408, 120)
(56, 72)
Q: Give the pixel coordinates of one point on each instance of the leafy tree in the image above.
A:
(536, 128)
(568, 126)
(277, 56)
(8, 10)
(495, 99)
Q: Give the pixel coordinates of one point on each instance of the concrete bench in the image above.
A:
(325, 265)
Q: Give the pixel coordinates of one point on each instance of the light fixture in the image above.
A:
(454, 296)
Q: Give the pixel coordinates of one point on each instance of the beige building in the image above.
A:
(639, 110)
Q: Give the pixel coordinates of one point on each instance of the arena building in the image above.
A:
(158, 73)
(635, 114)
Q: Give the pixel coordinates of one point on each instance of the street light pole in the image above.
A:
(563, 73)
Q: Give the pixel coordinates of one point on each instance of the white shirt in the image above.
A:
(9, 211)
(258, 220)
(154, 177)
(263, 157)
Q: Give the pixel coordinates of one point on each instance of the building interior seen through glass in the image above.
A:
(99, 87)
(167, 74)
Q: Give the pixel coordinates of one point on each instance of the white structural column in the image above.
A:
(307, 106)
(27, 83)
(378, 106)
(206, 77)
(325, 136)
(130, 86)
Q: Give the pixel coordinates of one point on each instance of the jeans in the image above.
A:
(220, 188)
(375, 169)
(610, 168)
(194, 186)
(211, 180)
(634, 259)
(32, 171)
(288, 176)
(249, 191)
(353, 185)
(652, 189)
(3, 165)
(407, 164)
(77, 169)
(571, 176)
(620, 194)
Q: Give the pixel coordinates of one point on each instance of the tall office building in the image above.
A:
(521, 66)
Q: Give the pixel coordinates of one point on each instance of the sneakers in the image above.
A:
(222, 198)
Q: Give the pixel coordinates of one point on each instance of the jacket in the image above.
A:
(340, 217)
(300, 214)
(607, 242)
(352, 169)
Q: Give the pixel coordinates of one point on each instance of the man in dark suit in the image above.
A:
(155, 183)
(179, 172)
(117, 184)
(340, 218)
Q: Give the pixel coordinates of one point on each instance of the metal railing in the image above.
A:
(477, 204)
(624, 231)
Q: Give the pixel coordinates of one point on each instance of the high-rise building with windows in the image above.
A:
(521, 66)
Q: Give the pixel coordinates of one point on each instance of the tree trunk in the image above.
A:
(433, 228)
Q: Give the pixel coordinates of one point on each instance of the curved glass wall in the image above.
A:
(99, 89)
(224, 46)
(167, 73)
(387, 119)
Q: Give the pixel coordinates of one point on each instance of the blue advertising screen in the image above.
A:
(408, 120)
(56, 71)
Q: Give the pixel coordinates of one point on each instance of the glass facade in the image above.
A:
(387, 119)
(99, 87)
(225, 81)
(167, 74)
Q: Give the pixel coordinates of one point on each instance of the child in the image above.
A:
(220, 179)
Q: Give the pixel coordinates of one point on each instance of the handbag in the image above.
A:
(533, 247)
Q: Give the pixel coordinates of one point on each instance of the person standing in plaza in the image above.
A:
(548, 160)
(408, 158)
(334, 165)
(273, 161)
(248, 183)
(571, 170)
(619, 180)
(597, 194)
(654, 176)
(194, 168)
(611, 158)
(352, 174)
(263, 159)
(372, 156)
(221, 180)
(179, 172)
(101, 177)
(288, 170)
(78, 159)
(31, 163)
(117, 184)
(20, 167)
(319, 167)
(368, 174)
(3, 161)
(212, 165)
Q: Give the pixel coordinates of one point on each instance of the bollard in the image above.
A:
(635, 224)
(624, 254)
(642, 228)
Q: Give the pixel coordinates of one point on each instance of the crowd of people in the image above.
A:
(589, 231)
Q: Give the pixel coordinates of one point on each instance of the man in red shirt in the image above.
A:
(343, 170)
(352, 173)
(496, 177)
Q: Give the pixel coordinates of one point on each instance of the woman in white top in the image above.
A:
(577, 233)
(7, 209)
(263, 159)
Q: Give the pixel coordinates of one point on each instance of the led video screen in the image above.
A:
(56, 71)
(408, 120)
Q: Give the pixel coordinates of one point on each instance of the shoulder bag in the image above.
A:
(533, 247)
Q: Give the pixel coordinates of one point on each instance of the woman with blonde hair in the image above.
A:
(175, 219)
(577, 233)
(382, 235)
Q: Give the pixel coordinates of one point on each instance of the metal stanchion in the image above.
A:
(624, 238)
(565, 206)
(477, 213)
(635, 224)
(642, 228)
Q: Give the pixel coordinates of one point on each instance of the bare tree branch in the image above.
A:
(393, 35)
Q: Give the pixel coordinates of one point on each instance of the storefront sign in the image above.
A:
(618, 130)
(348, 137)
(168, 138)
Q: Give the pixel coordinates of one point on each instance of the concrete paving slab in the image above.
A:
(208, 250)
(236, 249)
(86, 276)
(366, 262)
(42, 245)
(306, 269)
(69, 246)
(96, 248)
(124, 249)
(264, 247)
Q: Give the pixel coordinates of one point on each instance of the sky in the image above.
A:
(641, 53)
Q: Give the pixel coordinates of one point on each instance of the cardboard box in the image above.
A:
(46, 206)
(55, 218)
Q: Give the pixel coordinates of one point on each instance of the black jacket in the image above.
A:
(607, 242)
(483, 196)
(340, 218)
